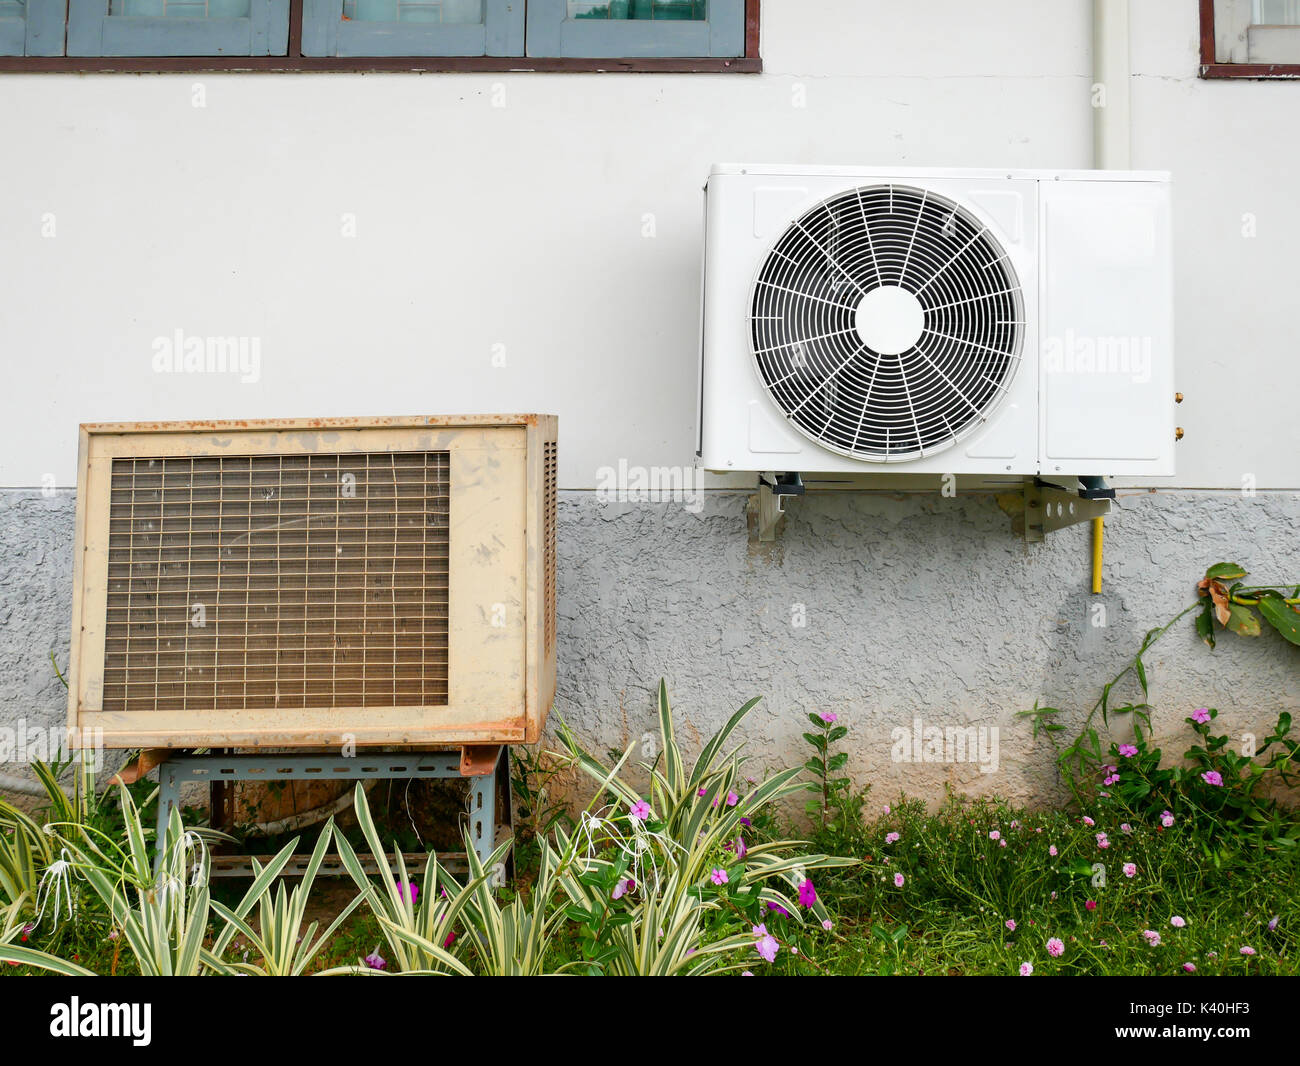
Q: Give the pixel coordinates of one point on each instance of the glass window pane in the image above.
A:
(1276, 13)
(446, 12)
(662, 10)
(194, 9)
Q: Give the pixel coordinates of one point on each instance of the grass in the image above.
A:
(960, 888)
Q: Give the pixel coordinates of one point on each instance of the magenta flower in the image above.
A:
(1212, 777)
(374, 960)
(639, 811)
(765, 944)
(732, 799)
(891, 837)
(1088, 821)
(776, 908)
(1056, 947)
(1128, 750)
(450, 939)
(1090, 905)
(1026, 969)
(624, 886)
(1201, 715)
(829, 717)
(1011, 924)
(1110, 779)
(410, 889)
(807, 894)
(1189, 967)
(740, 847)
(1166, 819)
(719, 876)
(1051, 850)
(1246, 949)
(1272, 923)
(1130, 869)
(898, 880)
(1102, 841)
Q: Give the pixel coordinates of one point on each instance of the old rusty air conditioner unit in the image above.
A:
(295, 583)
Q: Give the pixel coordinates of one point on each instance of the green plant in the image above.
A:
(837, 810)
(285, 948)
(682, 848)
(25, 851)
(419, 926)
(1133, 774)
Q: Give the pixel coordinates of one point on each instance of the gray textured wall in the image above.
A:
(913, 605)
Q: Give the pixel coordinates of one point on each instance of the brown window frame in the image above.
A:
(295, 62)
(1211, 68)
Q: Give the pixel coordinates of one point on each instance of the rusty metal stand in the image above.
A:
(484, 767)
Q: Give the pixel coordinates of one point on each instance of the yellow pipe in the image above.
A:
(1098, 535)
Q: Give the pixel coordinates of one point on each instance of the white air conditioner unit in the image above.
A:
(972, 322)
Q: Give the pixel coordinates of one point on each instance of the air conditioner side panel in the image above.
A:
(1106, 338)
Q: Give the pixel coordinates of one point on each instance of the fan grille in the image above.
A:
(887, 323)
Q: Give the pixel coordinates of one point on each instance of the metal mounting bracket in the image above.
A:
(773, 490)
(1049, 507)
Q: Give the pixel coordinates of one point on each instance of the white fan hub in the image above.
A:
(889, 319)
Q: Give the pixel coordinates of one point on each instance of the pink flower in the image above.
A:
(1002, 843)
(807, 894)
(718, 877)
(829, 717)
(1026, 969)
(765, 944)
(747, 973)
(1051, 850)
(1127, 750)
(1189, 967)
(410, 889)
(1088, 821)
(886, 808)
(1130, 869)
(1153, 938)
(1177, 922)
(1056, 947)
(1272, 923)
(1110, 780)
(702, 791)
(1246, 949)
(1212, 777)
(374, 960)
(639, 811)
(776, 908)
(1102, 841)
(1010, 923)
(1090, 905)
(1201, 714)
(828, 925)
(740, 847)
(995, 835)
(1166, 819)
(891, 837)
(451, 939)
(898, 880)
(1125, 828)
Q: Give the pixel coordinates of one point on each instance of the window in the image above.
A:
(164, 35)
(1250, 38)
(31, 27)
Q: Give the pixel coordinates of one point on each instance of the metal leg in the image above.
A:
(168, 798)
(482, 814)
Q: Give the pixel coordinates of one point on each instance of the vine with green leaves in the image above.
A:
(1228, 787)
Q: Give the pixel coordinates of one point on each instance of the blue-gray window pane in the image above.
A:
(634, 29)
(638, 9)
(178, 27)
(358, 28)
(31, 27)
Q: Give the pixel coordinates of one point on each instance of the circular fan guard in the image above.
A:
(838, 282)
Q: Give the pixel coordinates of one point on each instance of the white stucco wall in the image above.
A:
(522, 225)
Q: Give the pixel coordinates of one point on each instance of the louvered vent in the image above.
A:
(549, 461)
(887, 323)
(277, 581)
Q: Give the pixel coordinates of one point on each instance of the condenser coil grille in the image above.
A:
(887, 323)
(282, 581)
